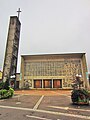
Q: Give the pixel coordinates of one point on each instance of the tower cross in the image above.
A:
(18, 12)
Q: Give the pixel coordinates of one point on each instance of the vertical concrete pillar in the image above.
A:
(32, 83)
(42, 83)
(52, 83)
(11, 53)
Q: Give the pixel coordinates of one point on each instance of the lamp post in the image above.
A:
(13, 83)
(79, 82)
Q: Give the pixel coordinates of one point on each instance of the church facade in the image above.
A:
(52, 71)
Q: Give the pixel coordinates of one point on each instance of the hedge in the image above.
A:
(6, 93)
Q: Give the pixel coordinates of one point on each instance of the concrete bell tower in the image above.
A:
(11, 53)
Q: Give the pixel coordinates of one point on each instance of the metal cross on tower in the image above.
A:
(18, 12)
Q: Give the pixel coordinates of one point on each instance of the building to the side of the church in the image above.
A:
(52, 71)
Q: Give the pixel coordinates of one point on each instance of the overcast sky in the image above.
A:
(48, 26)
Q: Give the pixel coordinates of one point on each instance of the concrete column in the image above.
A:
(52, 83)
(32, 83)
(42, 83)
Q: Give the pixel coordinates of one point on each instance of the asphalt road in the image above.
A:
(42, 107)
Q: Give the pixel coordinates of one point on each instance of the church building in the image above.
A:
(52, 71)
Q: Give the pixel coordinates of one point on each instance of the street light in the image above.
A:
(12, 76)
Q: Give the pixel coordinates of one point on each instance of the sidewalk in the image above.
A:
(43, 92)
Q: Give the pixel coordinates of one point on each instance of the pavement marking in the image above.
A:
(18, 103)
(1, 100)
(65, 114)
(48, 112)
(38, 103)
(64, 108)
(40, 118)
(67, 108)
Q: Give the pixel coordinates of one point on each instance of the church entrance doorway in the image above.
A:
(37, 83)
(47, 83)
(57, 83)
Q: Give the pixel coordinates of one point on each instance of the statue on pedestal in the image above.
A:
(79, 94)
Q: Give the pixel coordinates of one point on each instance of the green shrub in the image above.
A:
(6, 93)
(1, 85)
(11, 91)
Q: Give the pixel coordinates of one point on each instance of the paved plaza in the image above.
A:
(42, 105)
